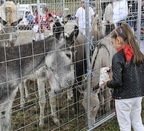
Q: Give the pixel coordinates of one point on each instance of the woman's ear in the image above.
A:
(118, 39)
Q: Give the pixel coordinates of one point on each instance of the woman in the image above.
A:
(128, 79)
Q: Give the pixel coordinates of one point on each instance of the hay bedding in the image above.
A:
(27, 119)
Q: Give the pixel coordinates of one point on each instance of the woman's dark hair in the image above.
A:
(126, 33)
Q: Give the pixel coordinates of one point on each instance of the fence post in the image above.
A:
(139, 22)
(39, 17)
(87, 48)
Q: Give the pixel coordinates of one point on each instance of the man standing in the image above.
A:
(108, 16)
(81, 18)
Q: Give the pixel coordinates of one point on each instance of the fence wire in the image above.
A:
(21, 59)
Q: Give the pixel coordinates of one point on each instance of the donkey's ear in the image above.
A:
(74, 33)
(76, 30)
(3, 22)
(16, 22)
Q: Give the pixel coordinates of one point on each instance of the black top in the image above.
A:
(128, 78)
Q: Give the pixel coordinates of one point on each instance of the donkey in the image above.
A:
(58, 33)
(80, 63)
(102, 57)
(100, 96)
(56, 75)
(17, 63)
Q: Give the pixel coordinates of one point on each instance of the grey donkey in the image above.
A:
(17, 63)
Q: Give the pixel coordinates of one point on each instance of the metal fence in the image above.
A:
(26, 110)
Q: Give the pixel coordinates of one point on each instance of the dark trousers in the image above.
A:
(109, 29)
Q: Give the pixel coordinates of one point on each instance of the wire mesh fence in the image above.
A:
(44, 74)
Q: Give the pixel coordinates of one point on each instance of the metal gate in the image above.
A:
(25, 115)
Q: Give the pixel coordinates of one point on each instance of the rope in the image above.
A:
(90, 42)
(89, 72)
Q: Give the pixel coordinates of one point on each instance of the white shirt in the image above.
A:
(80, 13)
(108, 14)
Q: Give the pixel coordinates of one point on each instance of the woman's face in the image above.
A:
(116, 43)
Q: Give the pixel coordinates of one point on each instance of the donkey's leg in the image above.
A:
(42, 99)
(69, 94)
(107, 96)
(6, 111)
(5, 116)
(52, 100)
(54, 85)
(101, 96)
(41, 78)
(76, 95)
(26, 89)
(22, 100)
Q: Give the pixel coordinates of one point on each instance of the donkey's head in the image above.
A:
(58, 30)
(8, 35)
(72, 37)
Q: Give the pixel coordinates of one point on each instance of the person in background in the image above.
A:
(108, 18)
(47, 18)
(30, 19)
(133, 13)
(128, 79)
(39, 27)
(81, 19)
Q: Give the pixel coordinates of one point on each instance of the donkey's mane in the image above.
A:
(99, 46)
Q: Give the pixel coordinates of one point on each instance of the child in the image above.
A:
(128, 79)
